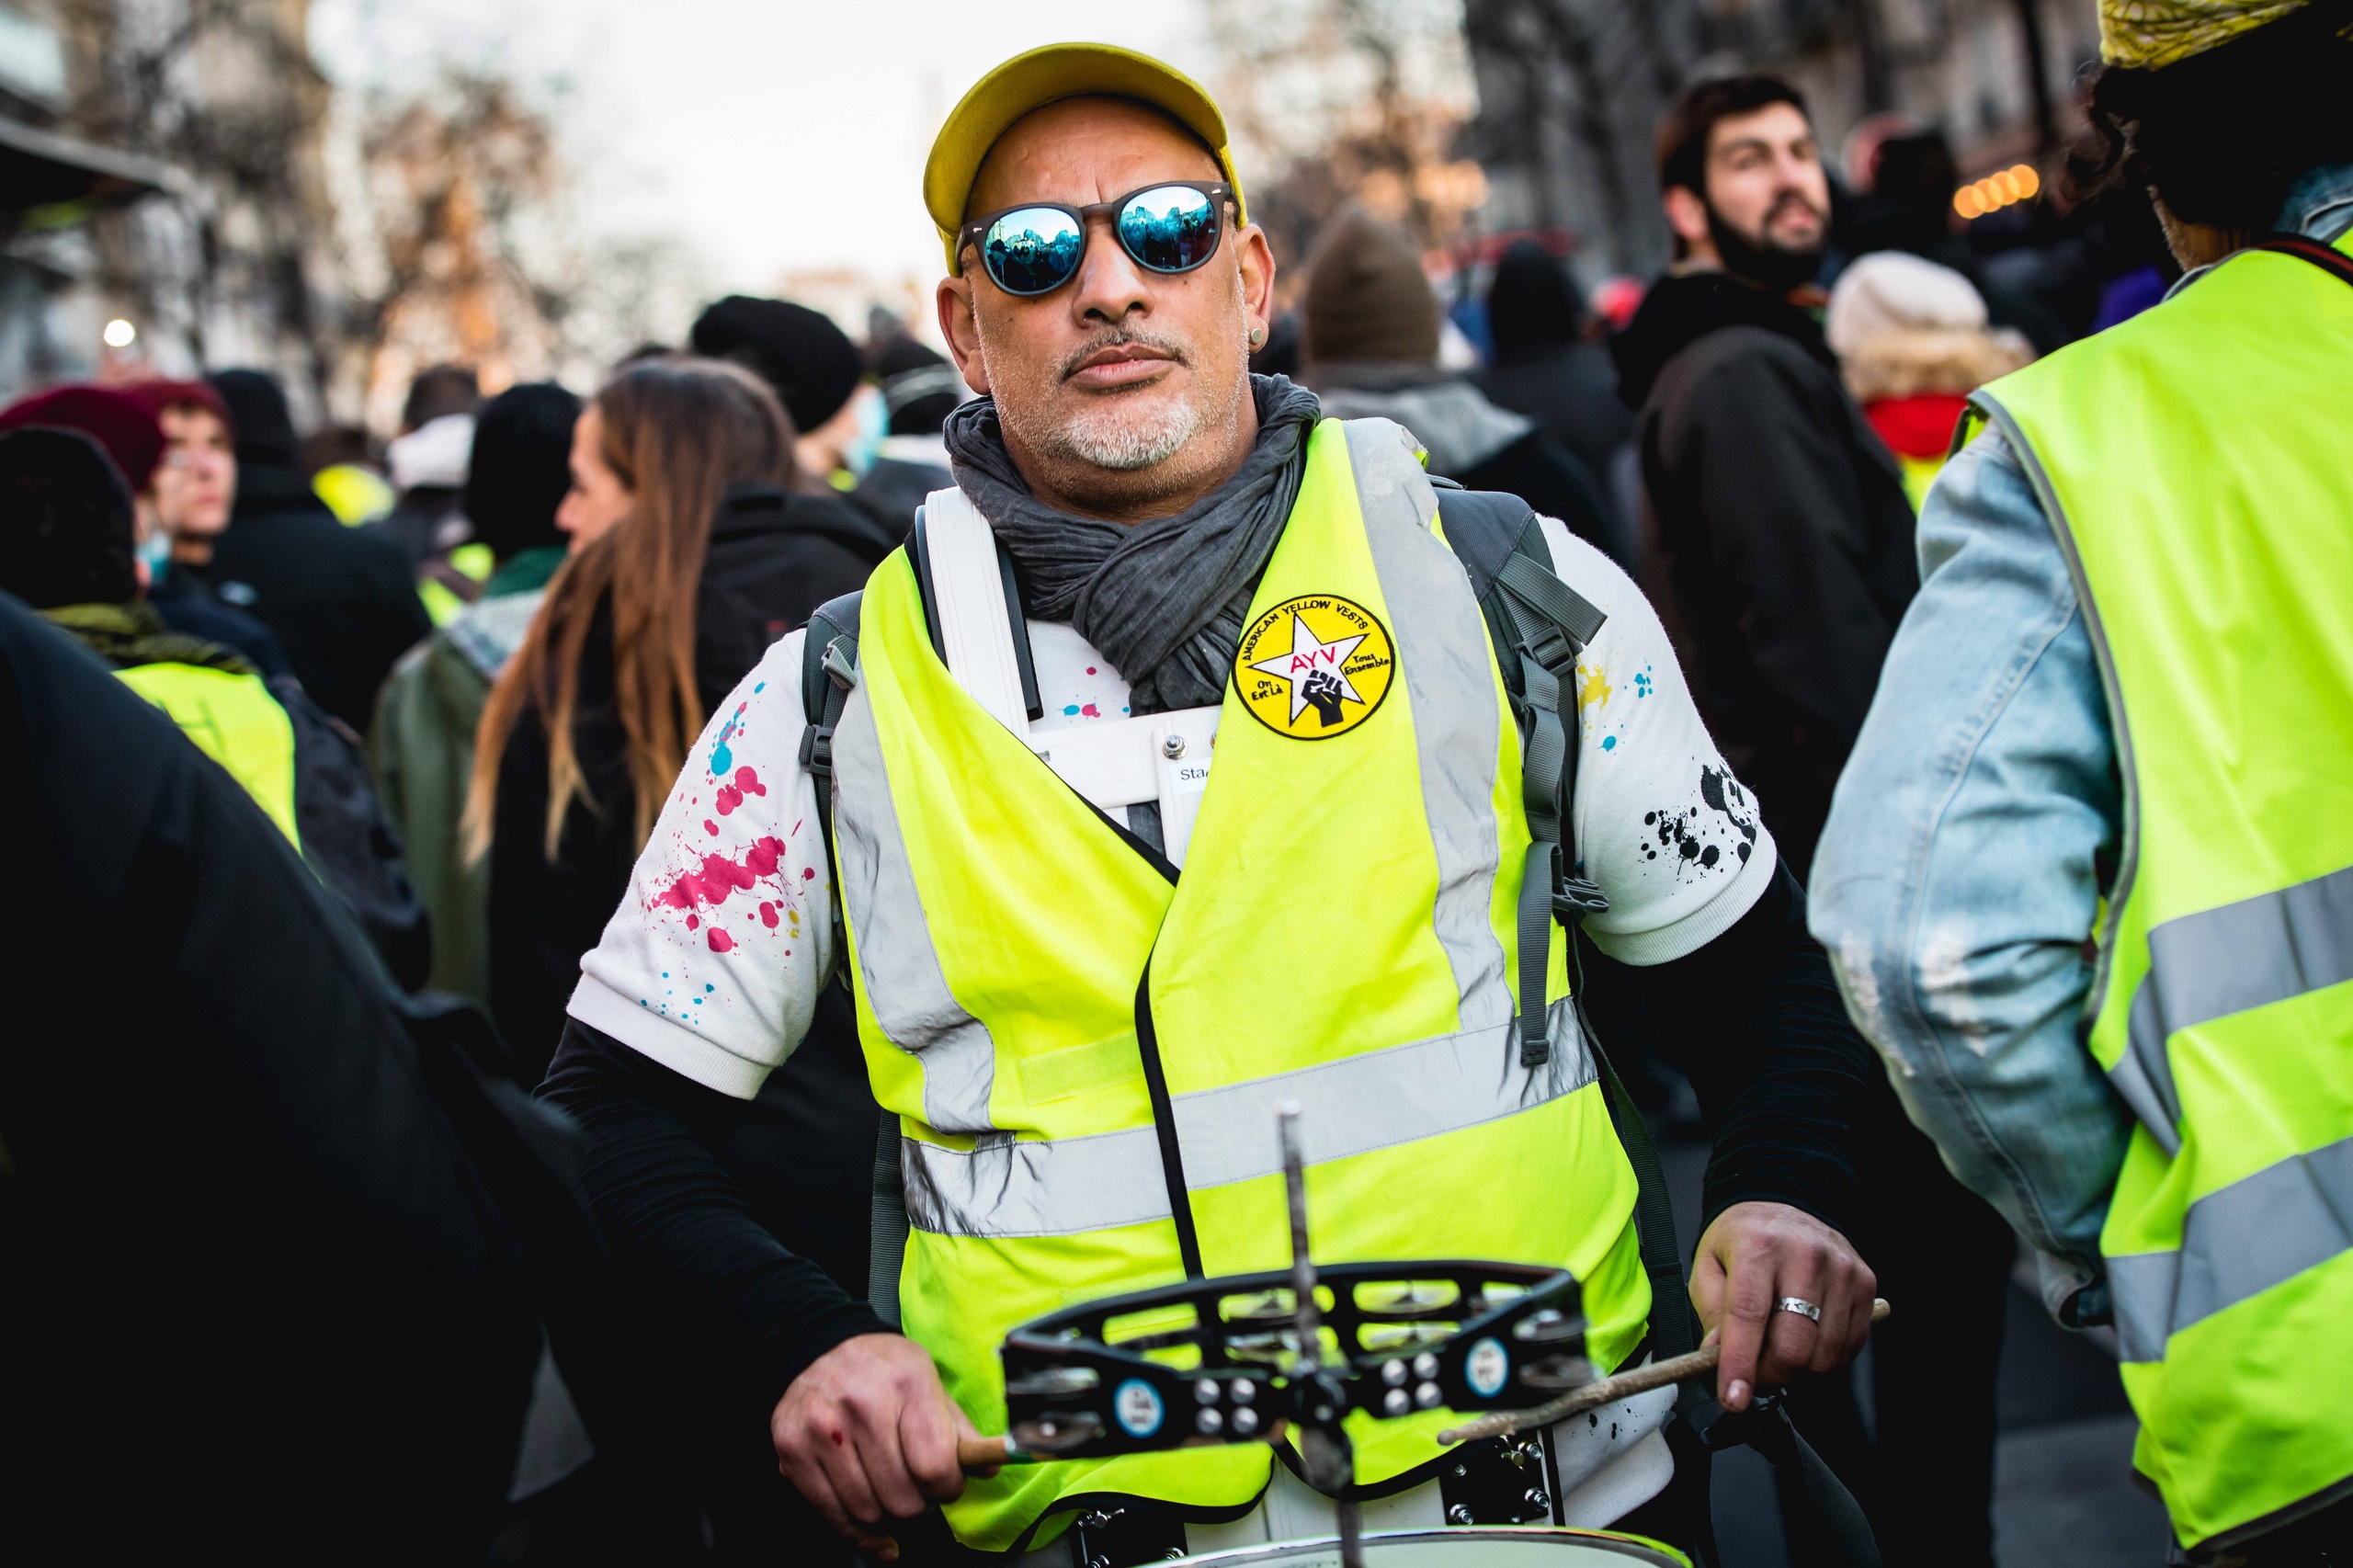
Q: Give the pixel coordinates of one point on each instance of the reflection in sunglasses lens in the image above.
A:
(1033, 250)
(1170, 228)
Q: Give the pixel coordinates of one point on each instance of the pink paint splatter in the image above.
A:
(721, 942)
(732, 795)
(761, 858)
(693, 921)
(768, 915)
(710, 827)
(808, 873)
(1092, 711)
(717, 879)
(1090, 669)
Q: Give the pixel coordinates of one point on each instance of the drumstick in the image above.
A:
(1640, 1380)
(980, 1454)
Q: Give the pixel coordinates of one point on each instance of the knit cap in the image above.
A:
(125, 427)
(811, 363)
(66, 529)
(1893, 290)
(1367, 298)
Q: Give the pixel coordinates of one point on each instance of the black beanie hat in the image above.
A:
(257, 408)
(522, 466)
(1529, 301)
(811, 363)
(66, 530)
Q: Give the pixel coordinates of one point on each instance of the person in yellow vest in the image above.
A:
(1178, 778)
(2089, 877)
(68, 549)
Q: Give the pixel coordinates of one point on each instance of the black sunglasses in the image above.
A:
(1034, 248)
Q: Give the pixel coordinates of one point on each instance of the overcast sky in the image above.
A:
(765, 135)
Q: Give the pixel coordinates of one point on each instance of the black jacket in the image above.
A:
(427, 521)
(773, 558)
(1571, 391)
(238, 1182)
(1782, 539)
(340, 600)
(891, 491)
(1549, 477)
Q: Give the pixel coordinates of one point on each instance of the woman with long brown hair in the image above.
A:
(689, 555)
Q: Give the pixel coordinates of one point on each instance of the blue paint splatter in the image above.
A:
(1070, 709)
(722, 759)
(759, 687)
(1608, 742)
(1643, 686)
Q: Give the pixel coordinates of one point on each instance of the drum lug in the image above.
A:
(1134, 1533)
(1498, 1483)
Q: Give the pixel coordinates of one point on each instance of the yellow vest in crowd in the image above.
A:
(2195, 461)
(233, 720)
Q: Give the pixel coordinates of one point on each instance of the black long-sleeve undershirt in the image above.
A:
(1784, 1082)
(1752, 1018)
(666, 1208)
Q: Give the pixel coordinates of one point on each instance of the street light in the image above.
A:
(119, 333)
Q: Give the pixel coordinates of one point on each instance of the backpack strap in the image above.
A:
(828, 675)
(1538, 625)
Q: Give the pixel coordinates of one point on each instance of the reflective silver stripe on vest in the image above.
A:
(2220, 961)
(2236, 1242)
(1378, 1100)
(898, 967)
(1442, 651)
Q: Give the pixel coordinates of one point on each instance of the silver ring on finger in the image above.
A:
(1799, 1305)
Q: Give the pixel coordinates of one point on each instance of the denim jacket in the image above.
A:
(1970, 839)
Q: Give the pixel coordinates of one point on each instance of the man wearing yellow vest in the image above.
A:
(2089, 878)
(1170, 621)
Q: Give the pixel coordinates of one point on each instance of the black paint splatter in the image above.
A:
(1723, 792)
(1722, 830)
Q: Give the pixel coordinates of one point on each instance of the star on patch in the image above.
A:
(1313, 668)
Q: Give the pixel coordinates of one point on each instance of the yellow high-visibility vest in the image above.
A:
(1341, 935)
(233, 720)
(2194, 461)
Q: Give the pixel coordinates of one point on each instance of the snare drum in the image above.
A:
(1469, 1547)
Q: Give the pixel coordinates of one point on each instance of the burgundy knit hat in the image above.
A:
(125, 427)
(157, 396)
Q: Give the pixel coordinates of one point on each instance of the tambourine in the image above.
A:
(1224, 1360)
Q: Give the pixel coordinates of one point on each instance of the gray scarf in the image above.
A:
(1163, 600)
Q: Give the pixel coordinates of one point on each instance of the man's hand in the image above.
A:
(1753, 1256)
(867, 1431)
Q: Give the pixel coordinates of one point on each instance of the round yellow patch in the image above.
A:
(1315, 667)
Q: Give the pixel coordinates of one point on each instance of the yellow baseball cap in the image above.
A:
(1047, 75)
